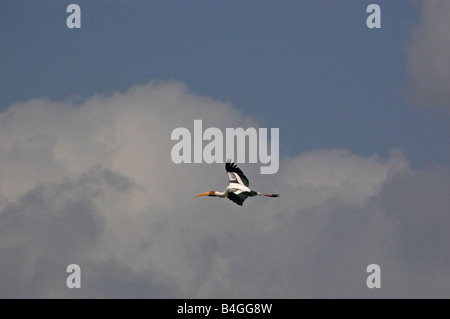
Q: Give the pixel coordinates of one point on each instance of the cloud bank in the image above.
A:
(428, 55)
(92, 183)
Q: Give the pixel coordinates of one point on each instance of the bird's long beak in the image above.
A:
(203, 194)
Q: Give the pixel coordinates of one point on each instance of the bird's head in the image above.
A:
(211, 193)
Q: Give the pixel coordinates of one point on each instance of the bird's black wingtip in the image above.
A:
(231, 167)
(236, 202)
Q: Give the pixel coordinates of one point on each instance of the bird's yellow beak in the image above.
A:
(203, 194)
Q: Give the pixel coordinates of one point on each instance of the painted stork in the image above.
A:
(238, 190)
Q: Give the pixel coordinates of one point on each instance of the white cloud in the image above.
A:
(321, 175)
(94, 184)
(428, 55)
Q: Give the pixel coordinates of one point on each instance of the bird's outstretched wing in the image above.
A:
(239, 196)
(235, 174)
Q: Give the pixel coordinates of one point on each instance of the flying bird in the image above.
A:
(238, 190)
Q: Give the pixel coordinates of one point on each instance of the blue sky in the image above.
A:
(311, 68)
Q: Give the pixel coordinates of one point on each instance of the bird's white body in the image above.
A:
(237, 188)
